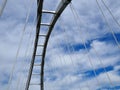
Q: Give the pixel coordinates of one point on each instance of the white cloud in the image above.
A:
(64, 70)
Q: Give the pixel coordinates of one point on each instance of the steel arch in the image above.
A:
(63, 4)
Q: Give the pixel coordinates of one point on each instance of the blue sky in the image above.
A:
(69, 66)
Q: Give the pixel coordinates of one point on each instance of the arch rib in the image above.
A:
(39, 14)
(59, 10)
(57, 14)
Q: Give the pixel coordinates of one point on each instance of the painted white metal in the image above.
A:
(47, 11)
(45, 24)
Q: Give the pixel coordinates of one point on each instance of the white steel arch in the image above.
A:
(56, 14)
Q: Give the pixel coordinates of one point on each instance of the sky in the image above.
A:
(82, 53)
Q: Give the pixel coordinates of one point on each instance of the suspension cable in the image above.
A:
(2, 7)
(62, 58)
(72, 49)
(68, 48)
(110, 29)
(111, 13)
(39, 5)
(77, 56)
(26, 66)
(76, 16)
(20, 43)
(26, 52)
(101, 63)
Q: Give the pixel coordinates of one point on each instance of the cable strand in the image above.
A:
(19, 47)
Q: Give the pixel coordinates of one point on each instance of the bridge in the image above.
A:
(87, 54)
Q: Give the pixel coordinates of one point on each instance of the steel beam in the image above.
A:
(39, 14)
(56, 15)
(36, 74)
(45, 24)
(37, 64)
(59, 10)
(42, 35)
(40, 45)
(35, 84)
(38, 55)
(47, 11)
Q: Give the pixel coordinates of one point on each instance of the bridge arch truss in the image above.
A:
(56, 14)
